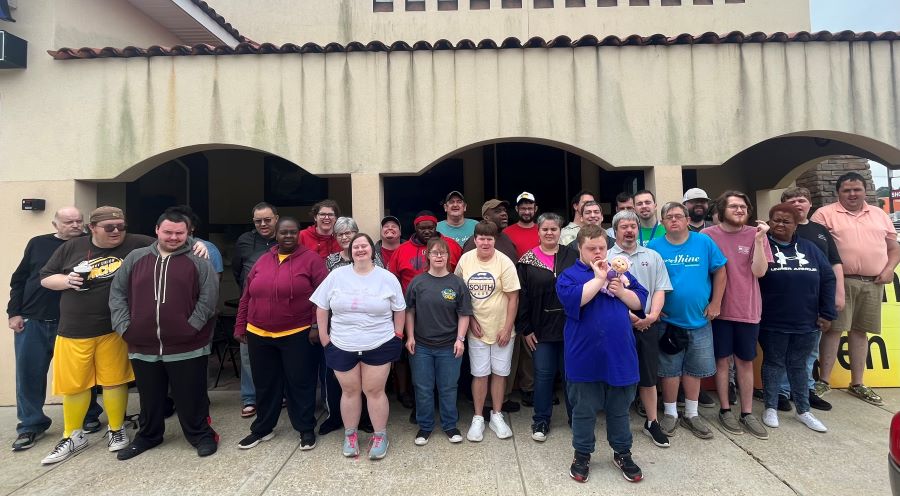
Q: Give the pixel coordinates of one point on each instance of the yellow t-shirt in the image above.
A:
(487, 281)
(282, 257)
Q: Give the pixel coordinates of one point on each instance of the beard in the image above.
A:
(697, 215)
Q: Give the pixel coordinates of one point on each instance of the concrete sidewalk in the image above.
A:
(849, 459)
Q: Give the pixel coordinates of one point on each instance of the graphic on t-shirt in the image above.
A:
(683, 260)
(481, 285)
(104, 267)
(448, 294)
(743, 250)
(782, 260)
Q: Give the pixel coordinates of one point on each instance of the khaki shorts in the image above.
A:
(80, 364)
(862, 311)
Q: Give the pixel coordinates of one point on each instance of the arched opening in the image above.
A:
(552, 172)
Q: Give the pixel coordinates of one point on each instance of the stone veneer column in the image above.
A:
(665, 183)
(368, 202)
(821, 179)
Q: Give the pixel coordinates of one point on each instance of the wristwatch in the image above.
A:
(461, 339)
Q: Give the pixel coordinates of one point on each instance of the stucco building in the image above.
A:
(386, 105)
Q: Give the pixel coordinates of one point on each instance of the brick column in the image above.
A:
(821, 179)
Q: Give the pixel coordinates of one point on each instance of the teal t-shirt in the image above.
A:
(460, 234)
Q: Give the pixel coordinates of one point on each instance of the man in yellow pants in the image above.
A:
(87, 351)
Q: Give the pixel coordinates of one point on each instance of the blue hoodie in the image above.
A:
(798, 288)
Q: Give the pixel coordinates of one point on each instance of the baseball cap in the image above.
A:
(695, 194)
(106, 213)
(525, 196)
(492, 203)
(452, 194)
(389, 218)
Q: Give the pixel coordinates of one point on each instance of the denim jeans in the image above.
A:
(248, 391)
(548, 360)
(34, 350)
(588, 398)
(810, 362)
(435, 367)
(786, 352)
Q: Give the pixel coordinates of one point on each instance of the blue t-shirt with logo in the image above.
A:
(460, 234)
(690, 265)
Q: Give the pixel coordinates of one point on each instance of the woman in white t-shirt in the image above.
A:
(365, 336)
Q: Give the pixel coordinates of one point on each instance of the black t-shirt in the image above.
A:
(85, 314)
(27, 297)
(819, 235)
(438, 302)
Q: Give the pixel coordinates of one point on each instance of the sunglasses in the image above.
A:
(113, 227)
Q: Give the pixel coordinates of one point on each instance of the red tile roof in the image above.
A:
(250, 47)
(211, 12)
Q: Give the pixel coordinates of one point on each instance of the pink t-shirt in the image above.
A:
(742, 301)
(543, 257)
(860, 237)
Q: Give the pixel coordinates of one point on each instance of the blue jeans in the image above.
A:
(810, 362)
(435, 367)
(548, 360)
(789, 352)
(248, 391)
(34, 350)
(588, 398)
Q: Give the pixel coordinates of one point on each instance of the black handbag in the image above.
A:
(674, 340)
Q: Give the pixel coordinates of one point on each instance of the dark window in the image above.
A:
(511, 4)
(607, 3)
(448, 4)
(383, 6)
(543, 4)
(415, 5)
(479, 4)
(574, 3)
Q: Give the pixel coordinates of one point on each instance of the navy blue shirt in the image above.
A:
(798, 288)
(599, 344)
(27, 298)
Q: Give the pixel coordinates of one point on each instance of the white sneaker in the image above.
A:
(116, 440)
(476, 430)
(66, 447)
(770, 418)
(812, 422)
(498, 425)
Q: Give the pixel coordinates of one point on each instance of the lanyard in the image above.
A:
(652, 234)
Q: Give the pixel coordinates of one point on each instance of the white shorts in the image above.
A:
(485, 359)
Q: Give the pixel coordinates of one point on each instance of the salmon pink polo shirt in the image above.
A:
(859, 236)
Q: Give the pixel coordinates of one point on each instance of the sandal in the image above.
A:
(248, 411)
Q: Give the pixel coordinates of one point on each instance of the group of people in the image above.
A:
(649, 307)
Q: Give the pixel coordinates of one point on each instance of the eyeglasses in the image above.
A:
(438, 253)
(674, 217)
(325, 215)
(736, 207)
(265, 220)
(345, 234)
(113, 227)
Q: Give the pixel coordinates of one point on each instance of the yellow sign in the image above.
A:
(883, 363)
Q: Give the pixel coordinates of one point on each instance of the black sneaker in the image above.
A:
(732, 393)
(539, 431)
(26, 440)
(422, 437)
(208, 446)
(817, 402)
(656, 434)
(528, 398)
(784, 403)
(253, 439)
(581, 467)
(511, 406)
(134, 449)
(91, 426)
(307, 440)
(630, 470)
(705, 400)
(454, 435)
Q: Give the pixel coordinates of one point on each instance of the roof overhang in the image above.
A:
(192, 21)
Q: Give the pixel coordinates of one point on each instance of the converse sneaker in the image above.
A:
(539, 431)
(351, 443)
(476, 430)
(422, 437)
(498, 425)
(656, 434)
(454, 436)
(580, 470)
(378, 446)
(253, 439)
(117, 440)
(770, 418)
(630, 471)
(812, 422)
(66, 447)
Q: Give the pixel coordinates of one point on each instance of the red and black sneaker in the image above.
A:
(630, 470)
(581, 467)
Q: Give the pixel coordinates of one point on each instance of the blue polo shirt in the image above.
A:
(599, 343)
(690, 267)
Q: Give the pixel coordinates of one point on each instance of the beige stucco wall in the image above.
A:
(290, 21)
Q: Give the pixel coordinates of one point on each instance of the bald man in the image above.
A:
(33, 313)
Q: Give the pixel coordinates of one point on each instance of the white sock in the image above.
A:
(671, 409)
(690, 408)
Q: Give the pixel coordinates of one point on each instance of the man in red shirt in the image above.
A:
(409, 260)
(390, 238)
(524, 233)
